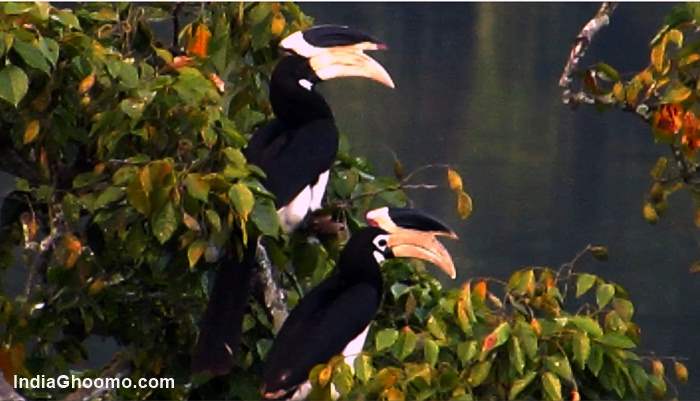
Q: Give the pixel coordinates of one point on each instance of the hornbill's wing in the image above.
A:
(293, 158)
(319, 328)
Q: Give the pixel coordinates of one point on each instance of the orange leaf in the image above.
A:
(668, 119)
(489, 342)
(31, 132)
(86, 84)
(12, 361)
(535, 324)
(277, 25)
(96, 286)
(199, 44)
(480, 289)
(325, 375)
(575, 396)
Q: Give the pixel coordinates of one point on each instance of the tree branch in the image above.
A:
(578, 50)
(7, 392)
(274, 296)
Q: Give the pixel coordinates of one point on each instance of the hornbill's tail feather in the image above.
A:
(220, 329)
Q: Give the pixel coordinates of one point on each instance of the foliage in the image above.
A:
(665, 94)
(502, 340)
(132, 187)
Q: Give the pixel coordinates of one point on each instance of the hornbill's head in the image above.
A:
(411, 233)
(334, 51)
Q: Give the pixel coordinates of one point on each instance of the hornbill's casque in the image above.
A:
(295, 150)
(334, 317)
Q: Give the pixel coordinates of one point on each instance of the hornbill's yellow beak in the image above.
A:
(349, 61)
(413, 234)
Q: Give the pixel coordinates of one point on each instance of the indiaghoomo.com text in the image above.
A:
(76, 382)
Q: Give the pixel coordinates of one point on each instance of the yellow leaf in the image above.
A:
(675, 36)
(657, 368)
(619, 91)
(195, 252)
(86, 84)
(690, 59)
(278, 23)
(31, 131)
(650, 214)
(324, 376)
(454, 180)
(681, 372)
(190, 222)
(96, 286)
(658, 53)
(464, 205)
(393, 394)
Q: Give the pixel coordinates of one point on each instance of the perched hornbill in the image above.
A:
(295, 150)
(334, 317)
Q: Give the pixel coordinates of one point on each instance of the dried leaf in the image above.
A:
(464, 205)
(86, 83)
(454, 180)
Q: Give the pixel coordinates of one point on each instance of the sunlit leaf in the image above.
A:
(164, 222)
(454, 180)
(588, 325)
(242, 199)
(520, 384)
(430, 352)
(197, 187)
(385, 338)
(551, 386)
(584, 282)
(13, 84)
(582, 348)
(363, 367)
(464, 205)
(559, 364)
(515, 354)
(616, 340)
(479, 373)
(604, 294)
(496, 338)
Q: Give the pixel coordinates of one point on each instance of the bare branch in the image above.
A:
(578, 50)
(7, 392)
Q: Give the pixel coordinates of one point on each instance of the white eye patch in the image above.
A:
(306, 84)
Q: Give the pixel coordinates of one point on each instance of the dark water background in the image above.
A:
(477, 88)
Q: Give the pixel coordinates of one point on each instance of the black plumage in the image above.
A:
(328, 317)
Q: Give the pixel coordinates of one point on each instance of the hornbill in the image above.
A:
(295, 150)
(334, 317)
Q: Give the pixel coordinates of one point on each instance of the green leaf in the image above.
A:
(66, 18)
(624, 308)
(617, 340)
(675, 92)
(431, 350)
(582, 348)
(528, 339)
(263, 346)
(164, 222)
(264, 216)
(405, 344)
(584, 282)
(604, 294)
(213, 219)
(595, 361)
(13, 84)
(32, 56)
(516, 356)
(242, 200)
(399, 289)
(435, 327)
(197, 187)
(607, 72)
(559, 364)
(467, 351)
(551, 386)
(49, 49)
(479, 373)
(385, 338)
(363, 367)
(588, 325)
(109, 195)
(520, 385)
